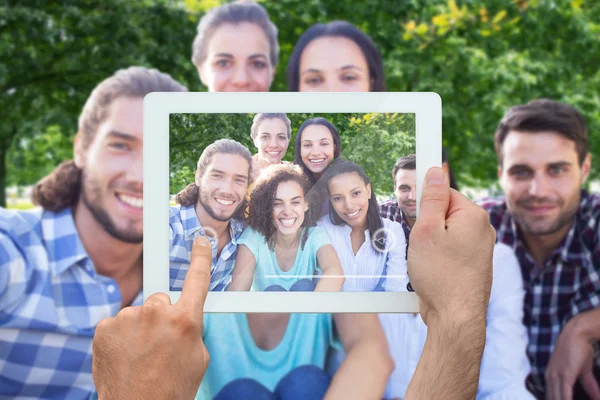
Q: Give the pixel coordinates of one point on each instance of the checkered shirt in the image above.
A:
(51, 300)
(568, 283)
(390, 210)
(185, 228)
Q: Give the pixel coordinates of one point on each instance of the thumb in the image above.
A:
(435, 200)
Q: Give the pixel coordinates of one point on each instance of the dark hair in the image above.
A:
(544, 115)
(338, 29)
(410, 162)
(374, 222)
(451, 177)
(298, 143)
(407, 162)
(61, 188)
(190, 194)
(234, 13)
(260, 211)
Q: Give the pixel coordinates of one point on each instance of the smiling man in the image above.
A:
(213, 206)
(77, 259)
(554, 228)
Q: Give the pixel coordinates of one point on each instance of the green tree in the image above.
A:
(374, 141)
(52, 54)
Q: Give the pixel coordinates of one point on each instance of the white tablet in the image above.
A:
(295, 192)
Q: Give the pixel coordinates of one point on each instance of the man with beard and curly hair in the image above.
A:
(213, 206)
(77, 259)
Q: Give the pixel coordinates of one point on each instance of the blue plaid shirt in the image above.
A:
(185, 228)
(51, 300)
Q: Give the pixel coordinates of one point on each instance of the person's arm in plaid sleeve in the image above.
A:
(14, 273)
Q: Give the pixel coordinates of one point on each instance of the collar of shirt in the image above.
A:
(63, 245)
(572, 250)
(192, 227)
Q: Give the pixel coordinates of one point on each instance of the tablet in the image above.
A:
(290, 189)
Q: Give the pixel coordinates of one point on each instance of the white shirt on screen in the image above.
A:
(370, 270)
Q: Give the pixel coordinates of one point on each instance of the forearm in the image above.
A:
(586, 325)
(363, 374)
(450, 362)
(332, 280)
(241, 281)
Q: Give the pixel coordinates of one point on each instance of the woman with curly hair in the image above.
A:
(283, 248)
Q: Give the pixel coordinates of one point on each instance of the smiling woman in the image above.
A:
(236, 48)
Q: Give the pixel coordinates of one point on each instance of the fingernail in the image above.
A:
(435, 176)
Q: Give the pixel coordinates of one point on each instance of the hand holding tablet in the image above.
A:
(155, 351)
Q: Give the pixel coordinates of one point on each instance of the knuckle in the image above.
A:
(185, 324)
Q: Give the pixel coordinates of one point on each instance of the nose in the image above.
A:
(413, 194)
(538, 186)
(240, 76)
(226, 186)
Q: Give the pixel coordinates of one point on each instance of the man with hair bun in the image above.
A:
(77, 258)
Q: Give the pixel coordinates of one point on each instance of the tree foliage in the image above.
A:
(374, 141)
(480, 56)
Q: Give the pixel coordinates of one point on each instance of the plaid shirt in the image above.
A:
(185, 227)
(391, 210)
(568, 283)
(51, 300)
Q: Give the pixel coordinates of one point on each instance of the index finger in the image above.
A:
(197, 280)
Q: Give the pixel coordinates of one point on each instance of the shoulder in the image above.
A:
(589, 207)
(18, 222)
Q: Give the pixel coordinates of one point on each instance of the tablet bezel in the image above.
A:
(427, 107)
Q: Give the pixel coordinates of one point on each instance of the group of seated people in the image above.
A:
(311, 225)
(315, 225)
(77, 259)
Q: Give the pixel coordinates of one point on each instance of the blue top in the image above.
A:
(51, 300)
(235, 355)
(268, 272)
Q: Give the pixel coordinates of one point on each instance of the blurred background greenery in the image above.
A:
(374, 141)
(481, 56)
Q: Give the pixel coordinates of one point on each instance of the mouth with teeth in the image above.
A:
(224, 202)
(288, 222)
(354, 214)
(317, 161)
(132, 201)
(273, 153)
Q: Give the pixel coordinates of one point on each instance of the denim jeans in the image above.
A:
(307, 382)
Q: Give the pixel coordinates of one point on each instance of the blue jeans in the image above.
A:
(307, 382)
(303, 285)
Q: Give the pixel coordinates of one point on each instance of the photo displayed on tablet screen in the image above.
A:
(293, 202)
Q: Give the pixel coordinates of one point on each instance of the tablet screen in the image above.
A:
(293, 201)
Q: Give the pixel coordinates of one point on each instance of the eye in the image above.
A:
(307, 145)
(240, 181)
(264, 137)
(296, 203)
(215, 176)
(223, 63)
(349, 78)
(324, 144)
(282, 137)
(356, 193)
(259, 64)
(557, 170)
(521, 173)
(337, 198)
(313, 80)
(120, 146)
